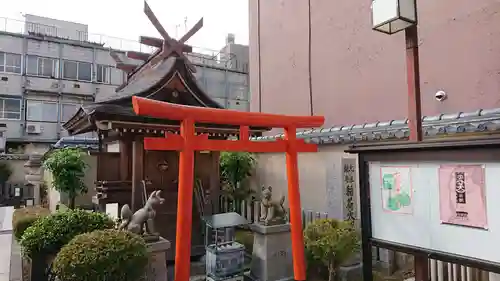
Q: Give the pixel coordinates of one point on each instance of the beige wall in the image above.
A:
(320, 177)
(85, 199)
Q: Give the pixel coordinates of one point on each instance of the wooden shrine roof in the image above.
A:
(169, 81)
(166, 75)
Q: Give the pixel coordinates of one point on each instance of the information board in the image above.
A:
(447, 207)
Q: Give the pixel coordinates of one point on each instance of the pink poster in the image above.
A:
(462, 195)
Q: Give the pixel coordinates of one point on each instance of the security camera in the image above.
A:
(440, 96)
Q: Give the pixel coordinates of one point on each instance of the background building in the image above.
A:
(323, 57)
(49, 68)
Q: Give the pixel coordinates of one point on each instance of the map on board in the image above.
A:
(462, 199)
(396, 189)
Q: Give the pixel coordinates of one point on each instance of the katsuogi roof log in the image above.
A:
(166, 75)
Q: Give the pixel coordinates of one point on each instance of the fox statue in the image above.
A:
(141, 222)
(272, 211)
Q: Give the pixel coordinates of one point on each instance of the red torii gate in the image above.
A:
(188, 142)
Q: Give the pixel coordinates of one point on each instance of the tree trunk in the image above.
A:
(72, 202)
(332, 276)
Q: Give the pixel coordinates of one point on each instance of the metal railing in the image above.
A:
(199, 55)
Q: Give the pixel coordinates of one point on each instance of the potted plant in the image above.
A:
(67, 166)
(330, 243)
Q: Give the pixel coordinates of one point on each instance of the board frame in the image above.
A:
(484, 149)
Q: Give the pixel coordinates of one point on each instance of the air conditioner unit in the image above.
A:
(33, 129)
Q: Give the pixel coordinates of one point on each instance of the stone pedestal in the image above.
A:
(272, 253)
(157, 267)
(352, 269)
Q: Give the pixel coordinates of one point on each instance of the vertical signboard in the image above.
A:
(349, 169)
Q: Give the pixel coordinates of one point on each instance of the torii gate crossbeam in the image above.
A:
(188, 142)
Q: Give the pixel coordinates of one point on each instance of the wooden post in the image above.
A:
(125, 153)
(185, 203)
(415, 120)
(137, 173)
(413, 80)
(292, 171)
(214, 182)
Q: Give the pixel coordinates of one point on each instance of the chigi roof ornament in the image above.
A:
(166, 47)
(170, 45)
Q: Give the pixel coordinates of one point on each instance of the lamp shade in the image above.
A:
(391, 16)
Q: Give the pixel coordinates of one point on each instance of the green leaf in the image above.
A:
(235, 168)
(67, 166)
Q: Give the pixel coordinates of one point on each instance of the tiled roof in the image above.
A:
(87, 143)
(482, 120)
(14, 156)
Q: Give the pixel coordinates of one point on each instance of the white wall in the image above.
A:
(320, 178)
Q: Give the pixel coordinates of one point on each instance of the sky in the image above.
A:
(116, 19)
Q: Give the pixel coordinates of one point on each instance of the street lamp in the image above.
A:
(392, 16)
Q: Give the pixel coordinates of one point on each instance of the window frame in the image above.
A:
(61, 111)
(3, 63)
(41, 102)
(107, 74)
(2, 110)
(55, 66)
(63, 68)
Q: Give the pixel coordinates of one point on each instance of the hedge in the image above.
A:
(25, 217)
(110, 255)
(48, 235)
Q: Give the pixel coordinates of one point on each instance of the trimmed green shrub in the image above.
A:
(48, 235)
(330, 243)
(110, 255)
(25, 217)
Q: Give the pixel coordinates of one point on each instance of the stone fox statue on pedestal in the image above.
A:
(272, 211)
(142, 219)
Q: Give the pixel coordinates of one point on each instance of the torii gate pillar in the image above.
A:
(188, 142)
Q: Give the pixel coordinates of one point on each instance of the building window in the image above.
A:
(10, 63)
(103, 74)
(10, 108)
(75, 70)
(68, 110)
(41, 111)
(41, 66)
